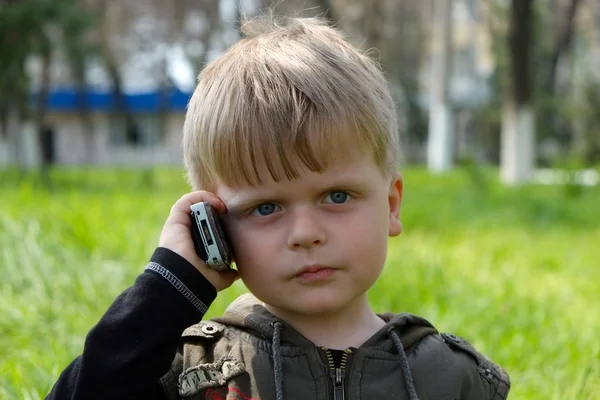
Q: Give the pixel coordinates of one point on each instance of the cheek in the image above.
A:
(365, 239)
(239, 243)
(368, 228)
(251, 247)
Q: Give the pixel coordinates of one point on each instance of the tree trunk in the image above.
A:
(551, 117)
(518, 126)
(440, 144)
(4, 112)
(45, 134)
(517, 143)
(85, 116)
(24, 128)
(562, 43)
(109, 12)
(121, 107)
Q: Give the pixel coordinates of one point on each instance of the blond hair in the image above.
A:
(285, 97)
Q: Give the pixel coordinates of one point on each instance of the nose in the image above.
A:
(306, 229)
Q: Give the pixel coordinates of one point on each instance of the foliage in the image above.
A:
(29, 27)
(564, 103)
(513, 270)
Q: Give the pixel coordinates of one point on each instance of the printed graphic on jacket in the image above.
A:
(214, 375)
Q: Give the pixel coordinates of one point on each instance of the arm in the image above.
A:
(134, 343)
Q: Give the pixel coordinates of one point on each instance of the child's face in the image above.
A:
(334, 223)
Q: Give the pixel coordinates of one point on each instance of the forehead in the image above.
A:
(260, 167)
(357, 171)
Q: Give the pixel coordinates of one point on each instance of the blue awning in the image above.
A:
(66, 99)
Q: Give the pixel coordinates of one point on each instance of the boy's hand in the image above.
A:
(176, 236)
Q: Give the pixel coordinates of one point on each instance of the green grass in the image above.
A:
(513, 270)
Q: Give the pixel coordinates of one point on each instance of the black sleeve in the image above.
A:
(134, 343)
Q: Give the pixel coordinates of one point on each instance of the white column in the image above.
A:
(440, 142)
(517, 144)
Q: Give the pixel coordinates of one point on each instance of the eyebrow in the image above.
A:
(241, 201)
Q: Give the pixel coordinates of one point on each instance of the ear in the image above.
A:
(395, 201)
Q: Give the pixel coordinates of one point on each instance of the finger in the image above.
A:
(185, 202)
(209, 198)
(228, 277)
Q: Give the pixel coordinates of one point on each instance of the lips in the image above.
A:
(315, 274)
(309, 269)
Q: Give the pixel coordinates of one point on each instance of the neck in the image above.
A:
(349, 327)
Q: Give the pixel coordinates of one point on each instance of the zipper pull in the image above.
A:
(337, 375)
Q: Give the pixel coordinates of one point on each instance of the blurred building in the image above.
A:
(156, 56)
(159, 47)
(153, 139)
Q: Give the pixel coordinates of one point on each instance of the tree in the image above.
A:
(393, 32)
(111, 17)
(17, 41)
(518, 125)
(562, 40)
(553, 120)
(79, 48)
(440, 144)
(30, 28)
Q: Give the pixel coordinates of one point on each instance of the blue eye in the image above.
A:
(264, 209)
(337, 197)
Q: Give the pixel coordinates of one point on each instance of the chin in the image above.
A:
(319, 305)
(308, 306)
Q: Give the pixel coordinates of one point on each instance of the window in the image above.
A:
(146, 131)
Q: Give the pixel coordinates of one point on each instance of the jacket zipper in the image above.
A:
(337, 374)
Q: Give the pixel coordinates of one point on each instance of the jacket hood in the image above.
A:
(248, 313)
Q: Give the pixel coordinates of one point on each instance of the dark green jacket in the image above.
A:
(250, 354)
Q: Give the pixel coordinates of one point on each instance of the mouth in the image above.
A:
(314, 272)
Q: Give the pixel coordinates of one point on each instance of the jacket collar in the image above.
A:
(249, 313)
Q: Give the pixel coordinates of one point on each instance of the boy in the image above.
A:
(291, 135)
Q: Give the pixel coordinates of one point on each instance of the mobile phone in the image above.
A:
(209, 237)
